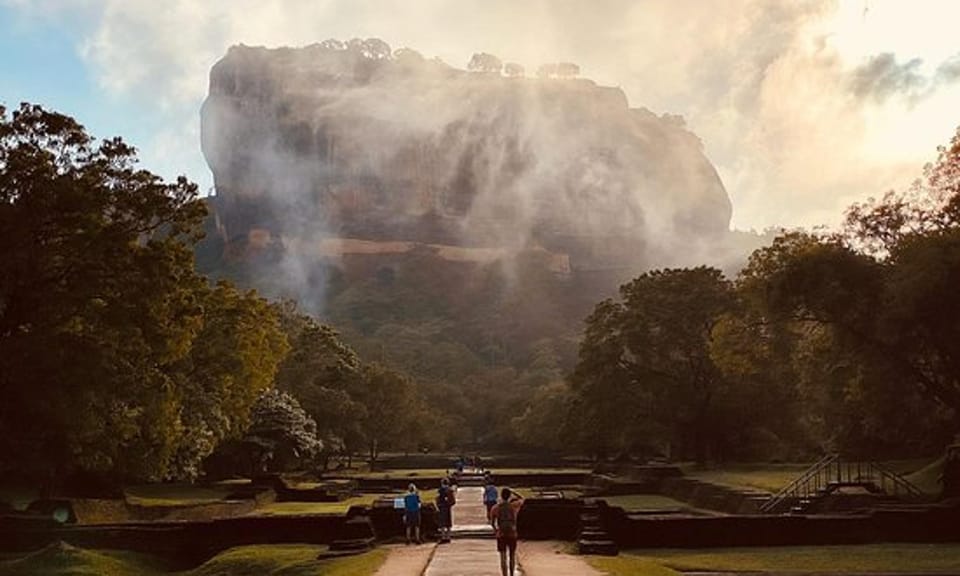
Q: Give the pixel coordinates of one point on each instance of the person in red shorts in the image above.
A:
(503, 518)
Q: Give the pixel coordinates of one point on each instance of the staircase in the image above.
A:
(831, 474)
(593, 538)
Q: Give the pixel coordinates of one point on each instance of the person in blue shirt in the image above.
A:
(489, 495)
(411, 513)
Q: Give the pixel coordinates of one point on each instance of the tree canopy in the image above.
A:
(116, 357)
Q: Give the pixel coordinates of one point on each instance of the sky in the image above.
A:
(804, 106)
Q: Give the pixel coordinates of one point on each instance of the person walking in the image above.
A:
(411, 514)
(503, 518)
(489, 495)
(445, 501)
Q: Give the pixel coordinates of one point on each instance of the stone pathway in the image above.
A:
(406, 560)
(470, 515)
(466, 557)
(473, 550)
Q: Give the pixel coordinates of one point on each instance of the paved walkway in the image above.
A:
(473, 551)
(470, 515)
(406, 560)
(467, 557)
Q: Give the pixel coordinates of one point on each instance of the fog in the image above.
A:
(351, 140)
(803, 106)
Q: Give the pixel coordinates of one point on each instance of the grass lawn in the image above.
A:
(769, 477)
(176, 494)
(288, 560)
(438, 473)
(285, 560)
(929, 558)
(928, 477)
(773, 477)
(643, 502)
(296, 508)
(432, 473)
(19, 496)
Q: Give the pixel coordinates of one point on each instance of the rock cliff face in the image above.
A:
(352, 141)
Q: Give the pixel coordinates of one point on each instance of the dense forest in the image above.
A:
(121, 358)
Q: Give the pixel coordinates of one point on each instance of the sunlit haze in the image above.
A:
(804, 107)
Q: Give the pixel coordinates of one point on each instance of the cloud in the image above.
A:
(949, 70)
(791, 99)
(882, 76)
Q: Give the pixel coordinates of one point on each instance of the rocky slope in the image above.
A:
(355, 142)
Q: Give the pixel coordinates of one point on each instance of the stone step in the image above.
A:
(482, 531)
(598, 547)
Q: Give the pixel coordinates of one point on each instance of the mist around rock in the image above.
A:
(337, 150)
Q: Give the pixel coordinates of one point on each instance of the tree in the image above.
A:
(234, 359)
(408, 56)
(323, 374)
(546, 422)
(98, 301)
(485, 63)
(513, 70)
(567, 70)
(930, 206)
(390, 400)
(333, 45)
(645, 363)
(282, 436)
(889, 325)
(372, 48)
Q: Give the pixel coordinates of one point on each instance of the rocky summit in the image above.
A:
(340, 149)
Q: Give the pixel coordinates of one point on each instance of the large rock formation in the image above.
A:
(338, 147)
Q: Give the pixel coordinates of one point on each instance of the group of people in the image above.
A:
(502, 506)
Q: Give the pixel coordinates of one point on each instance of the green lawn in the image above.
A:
(430, 473)
(177, 494)
(769, 477)
(285, 560)
(928, 558)
(643, 502)
(927, 478)
(288, 560)
(773, 477)
(438, 473)
(19, 496)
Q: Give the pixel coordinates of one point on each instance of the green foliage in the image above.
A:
(233, 360)
(115, 356)
(97, 302)
(867, 322)
(287, 560)
(60, 558)
(630, 565)
(322, 373)
(545, 423)
(391, 404)
(645, 370)
(282, 434)
(871, 558)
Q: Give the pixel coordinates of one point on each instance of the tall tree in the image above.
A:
(390, 400)
(97, 300)
(323, 373)
(233, 360)
(282, 436)
(101, 369)
(647, 360)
